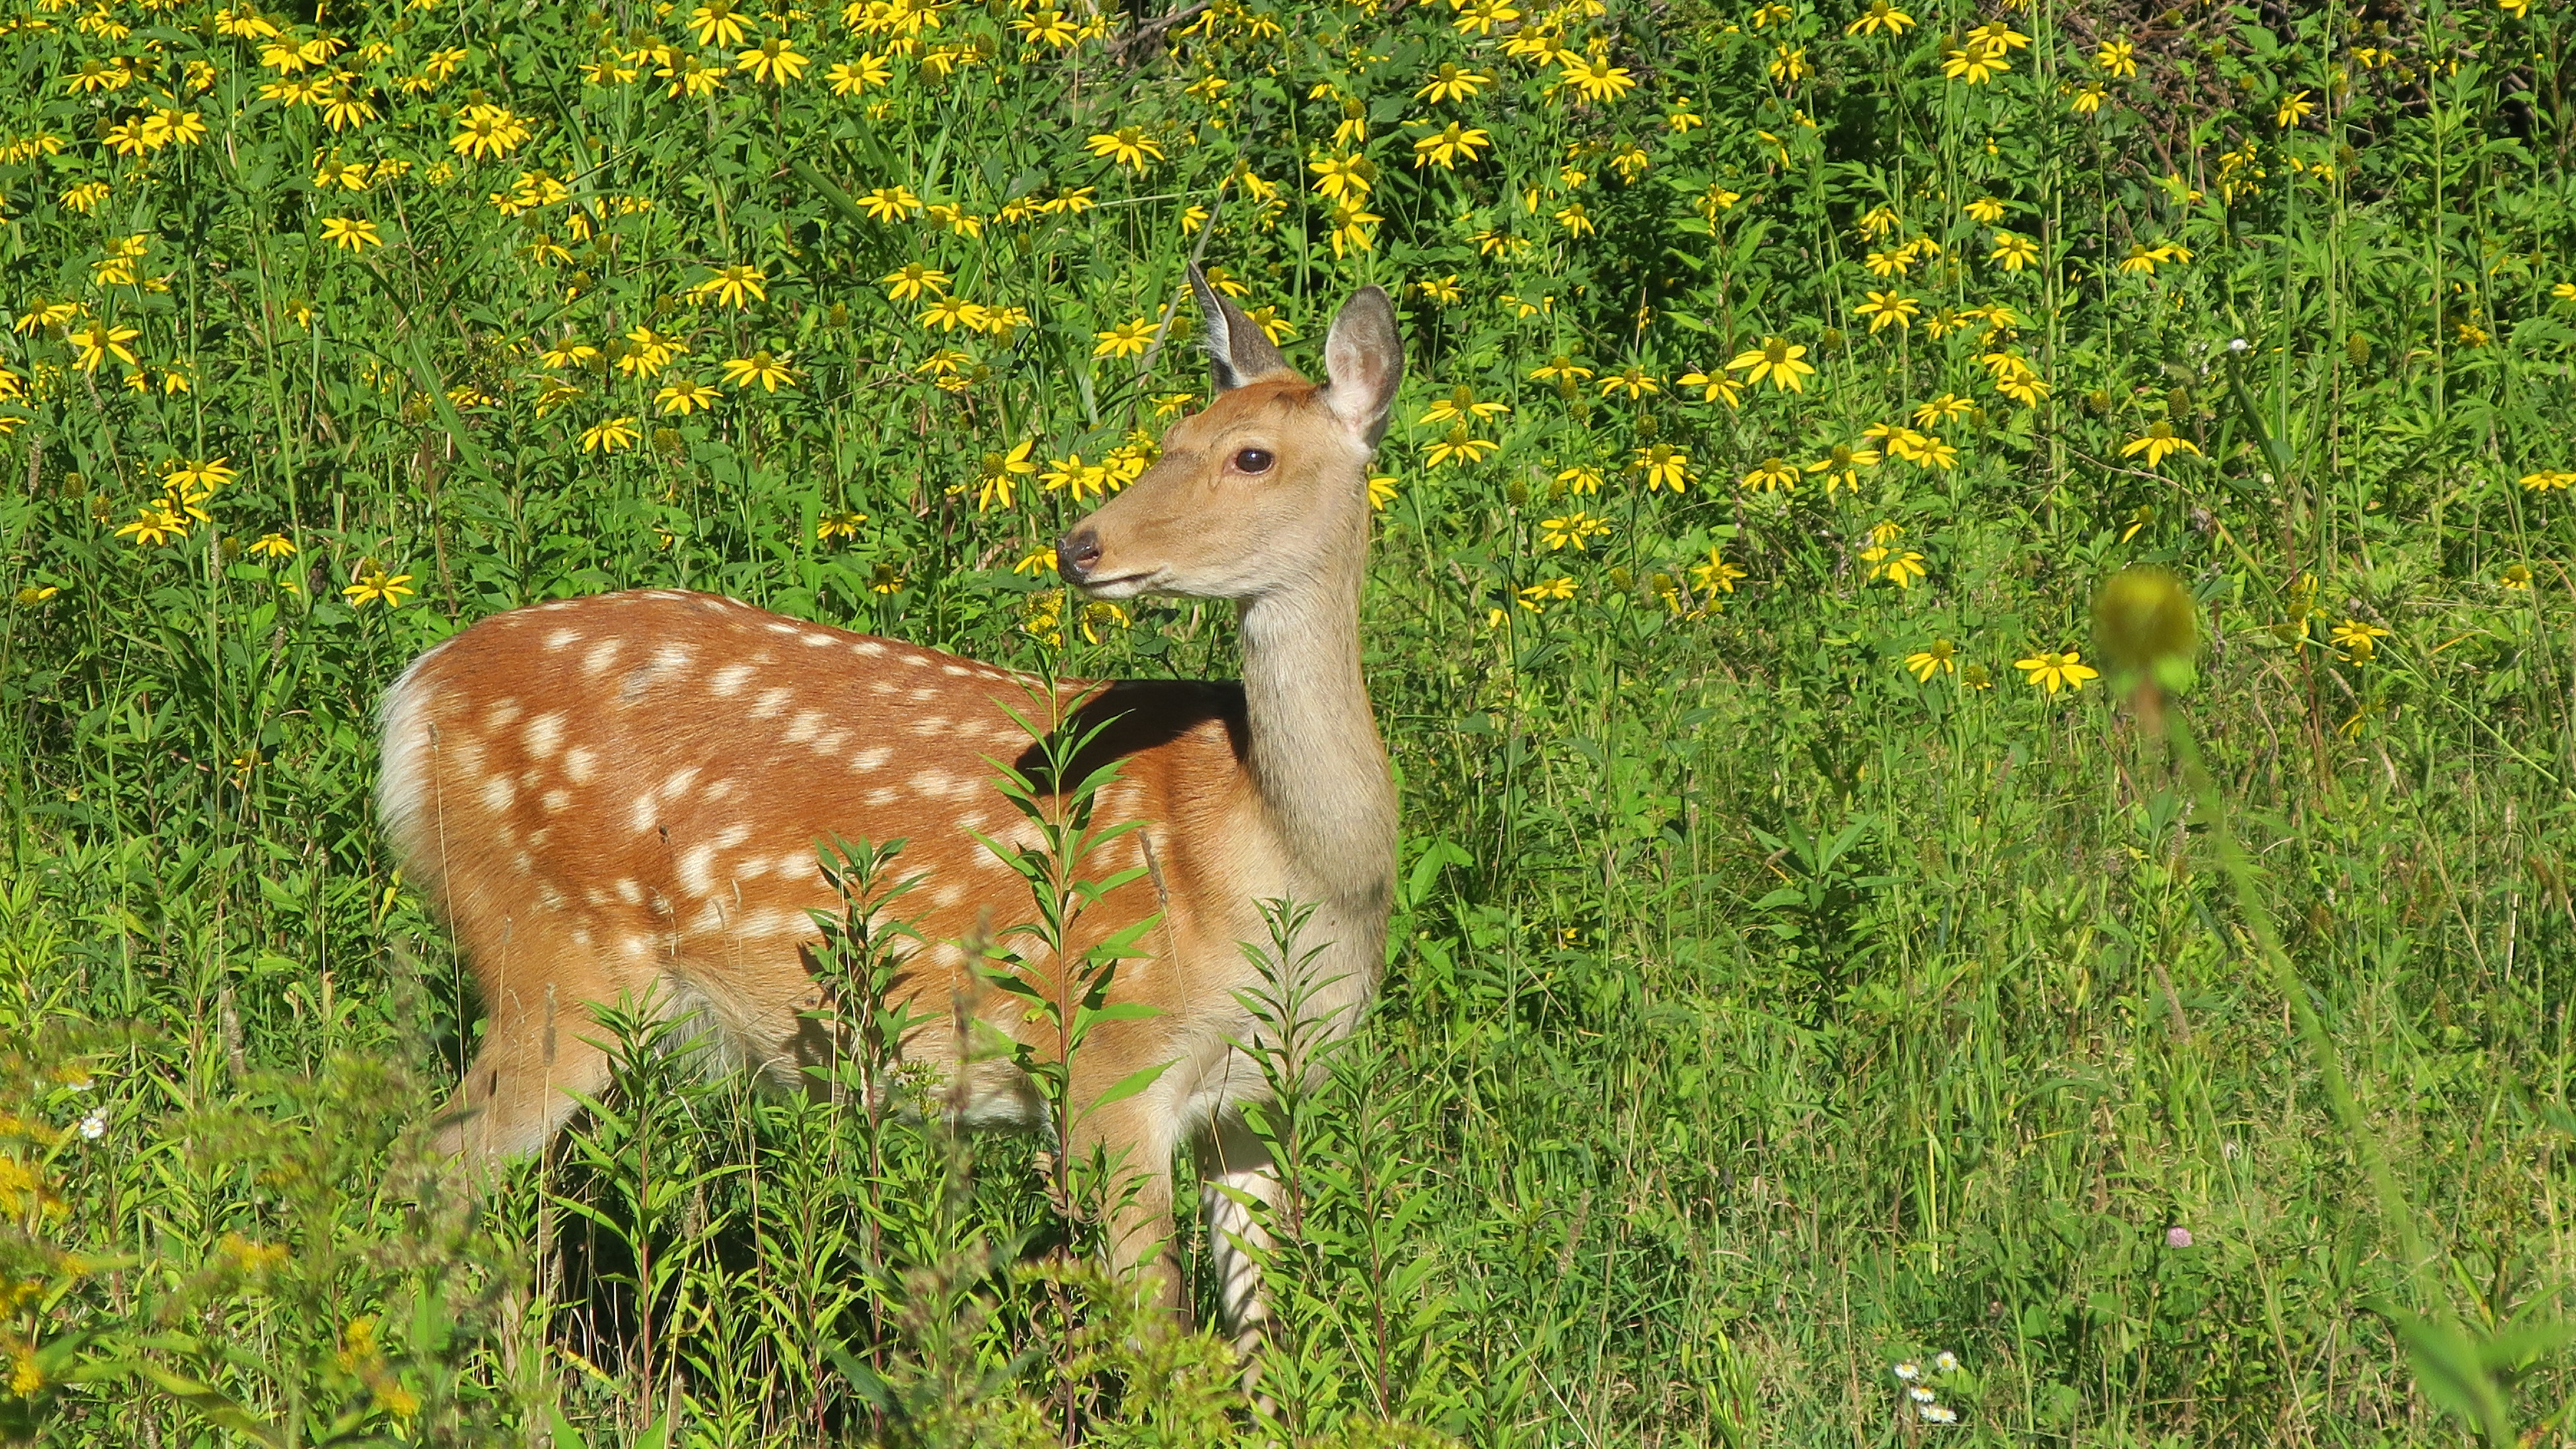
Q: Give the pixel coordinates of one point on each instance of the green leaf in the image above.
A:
(1129, 1085)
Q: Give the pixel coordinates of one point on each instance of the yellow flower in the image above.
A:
(1973, 63)
(2141, 260)
(1770, 474)
(2012, 252)
(372, 585)
(1842, 467)
(717, 22)
(1351, 223)
(1937, 657)
(487, 131)
(1127, 146)
(890, 203)
(1715, 575)
(2358, 641)
(1535, 597)
(685, 397)
(1777, 359)
(273, 545)
(1036, 561)
(1582, 480)
(1720, 388)
(1985, 211)
(850, 77)
(1681, 119)
(1341, 177)
(1900, 569)
(1453, 83)
(735, 286)
(350, 233)
(1597, 80)
(1574, 530)
(1633, 381)
(2515, 576)
(950, 313)
(2547, 479)
(1127, 339)
(912, 279)
(1442, 290)
(1790, 65)
(1576, 220)
(2053, 672)
(1461, 406)
(838, 525)
(155, 524)
(762, 367)
(2088, 99)
(610, 435)
(1889, 309)
(2117, 58)
(2295, 108)
(1457, 447)
(98, 341)
(1664, 465)
(1381, 492)
(2158, 442)
(30, 595)
(998, 483)
(1449, 146)
(774, 61)
(1880, 16)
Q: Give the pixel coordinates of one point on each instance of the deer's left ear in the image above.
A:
(1363, 363)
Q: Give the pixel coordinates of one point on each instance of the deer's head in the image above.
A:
(1267, 487)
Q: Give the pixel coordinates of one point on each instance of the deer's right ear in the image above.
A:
(1238, 350)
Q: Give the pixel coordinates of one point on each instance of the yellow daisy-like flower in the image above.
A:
(1889, 309)
(736, 286)
(763, 367)
(2158, 442)
(998, 482)
(1938, 657)
(2359, 641)
(1771, 474)
(685, 397)
(1664, 466)
(2053, 672)
(374, 585)
(1127, 339)
(912, 280)
(350, 233)
(1127, 146)
(774, 61)
(1776, 360)
(610, 435)
(2012, 252)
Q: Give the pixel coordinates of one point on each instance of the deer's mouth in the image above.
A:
(1122, 586)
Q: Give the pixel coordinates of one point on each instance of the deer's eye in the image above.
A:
(1254, 460)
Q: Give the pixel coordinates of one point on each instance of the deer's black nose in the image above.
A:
(1077, 554)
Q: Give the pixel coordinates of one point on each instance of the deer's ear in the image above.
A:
(1363, 363)
(1238, 351)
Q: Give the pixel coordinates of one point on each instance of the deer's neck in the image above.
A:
(1315, 755)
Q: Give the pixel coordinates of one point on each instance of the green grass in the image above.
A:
(1758, 1016)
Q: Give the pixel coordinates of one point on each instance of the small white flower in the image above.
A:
(1918, 1393)
(1909, 1371)
(2239, 344)
(1946, 1361)
(1938, 1414)
(94, 1126)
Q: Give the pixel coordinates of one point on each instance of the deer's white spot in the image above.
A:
(797, 863)
(521, 863)
(930, 724)
(729, 680)
(563, 638)
(781, 626)
(557, 799)
(922, 695)
(948, 895)
(498, 792)
(959, 670)
(631, 891)
(867, 649)
(679, 783)
(831, 744)
(752, 869)
(817, 641)
(580, 763)
(881, 686)
(550, 898)
(698, 869)
(673, 656)
(720, 789)
(869, 759)
(771, 703)
(933, 783)
(601, 655)
(806, 725)
(731, 836)
(499, 714)
(648, 810)
(545, 734)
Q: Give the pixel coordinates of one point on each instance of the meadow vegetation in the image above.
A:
(1822, 1007)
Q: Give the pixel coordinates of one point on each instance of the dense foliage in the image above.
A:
(1817, 1012)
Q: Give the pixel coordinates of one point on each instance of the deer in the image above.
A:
(622, 797)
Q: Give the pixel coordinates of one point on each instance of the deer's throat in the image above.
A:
(1316, 759)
